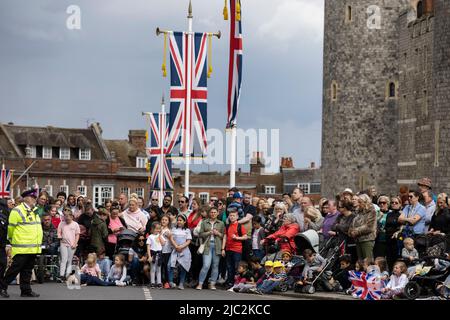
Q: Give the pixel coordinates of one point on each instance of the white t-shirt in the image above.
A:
(154, 243)
(255, 244)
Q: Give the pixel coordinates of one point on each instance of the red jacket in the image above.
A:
(289, 231)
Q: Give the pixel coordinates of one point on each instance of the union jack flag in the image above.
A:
(158, 145)
(188, 91)
(365, 286)
(5, 183)
(235, 66)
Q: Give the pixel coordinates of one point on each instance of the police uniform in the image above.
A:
(25, 235)
(4, 213)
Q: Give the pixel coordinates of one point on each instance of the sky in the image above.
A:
(109, 71)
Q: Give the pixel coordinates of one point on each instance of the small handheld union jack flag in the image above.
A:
(5, 182)
(366, 286)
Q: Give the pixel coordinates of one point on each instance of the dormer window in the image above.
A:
(141, 162)
(85, 154)
(64, 153)
(420, 9)
(47, 152)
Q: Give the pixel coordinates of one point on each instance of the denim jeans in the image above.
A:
(207, 259)
(259, 253)
(181, 274)
(135, 267)
(94, 281)
(233, 259)
(268, 286)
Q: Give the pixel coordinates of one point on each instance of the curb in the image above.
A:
(315, 296)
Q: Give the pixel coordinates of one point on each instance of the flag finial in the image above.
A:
(190, 10)
(162, 99)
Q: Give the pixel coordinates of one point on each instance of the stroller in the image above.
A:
(432, 274)
(310, 240)
(125, 241)
(425, 243)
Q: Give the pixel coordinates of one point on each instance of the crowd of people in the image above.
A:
(243, 243)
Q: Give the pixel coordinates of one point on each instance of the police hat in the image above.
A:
(30, 193)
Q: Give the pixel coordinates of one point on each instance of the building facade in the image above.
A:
(76, 161)
(386, 94)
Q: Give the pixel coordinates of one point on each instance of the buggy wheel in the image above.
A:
(412, 290)
(284, 287)
(309, 289)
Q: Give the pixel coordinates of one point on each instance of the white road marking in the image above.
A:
(147, 294)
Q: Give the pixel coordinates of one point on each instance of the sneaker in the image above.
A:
(172, 285)
(199, 287)
(236, 289)
(4, 294)
(166, 285)
(181, 287)
(211, 286)
(152, 286)
(230, 290)
(159, 286)
(221, 281)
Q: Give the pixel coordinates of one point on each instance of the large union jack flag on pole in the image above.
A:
(5, 182)
(160, 165)
(235, 66)
(365, 286)
(188, 91)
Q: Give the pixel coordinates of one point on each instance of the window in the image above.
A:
(102, 193)
(304, 187)
(334, 91)
(348, 14)
(204, 197)
(425, 102)
(420, 9)
(392, 90)
(30, 151)
(141, 162)
(270, 190)
(47, 152)
(82, 190)
(314, 188)
(85, 154)
(49, 189)
(126, 191)
(140, 192)
(65, 189)
(64, 153)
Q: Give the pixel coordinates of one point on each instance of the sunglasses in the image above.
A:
(382, 202)
(395, 203)
(181, 201)
(140, 240)
(154, 199)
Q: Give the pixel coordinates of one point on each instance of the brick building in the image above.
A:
(386, 94)
(307, 179)
(77, 161)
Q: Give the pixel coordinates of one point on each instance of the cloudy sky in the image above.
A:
(109, 71)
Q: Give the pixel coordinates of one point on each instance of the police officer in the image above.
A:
(25, 235)
(4, 214)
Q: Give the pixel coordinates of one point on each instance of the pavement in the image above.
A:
(58, 291)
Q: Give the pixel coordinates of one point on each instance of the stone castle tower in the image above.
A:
(360, 94)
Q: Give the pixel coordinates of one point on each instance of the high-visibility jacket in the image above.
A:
(24, 231)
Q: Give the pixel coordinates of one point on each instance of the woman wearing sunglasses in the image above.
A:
(392, 228)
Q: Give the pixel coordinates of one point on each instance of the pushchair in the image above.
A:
(425, 243)
(125, 241)
(432, 274)
(307, 240)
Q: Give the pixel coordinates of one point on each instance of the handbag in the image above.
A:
(201, 249)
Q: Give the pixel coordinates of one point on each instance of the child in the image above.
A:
(314, 263)
(154, 217)
(104, 263)
(258, 234)
(274, 280)
(268, 272)
(118, 272)
(397, 282)
(56, 220)
(341, 275)
(154, 251)
(69, 234)
(409, 252)
(181, 255)
(257, 269)
(90, 273)
(166, 250)
(286, 259)
(382, 265)
(244, 279)
(359, 267)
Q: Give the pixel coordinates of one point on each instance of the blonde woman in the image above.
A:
(380, 243)
(392, 228)
(364, 227)
(134, 217)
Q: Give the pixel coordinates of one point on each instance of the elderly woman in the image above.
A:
(392, 228)
(313, 219)
(285, 235)
(342, 225)
(134, 217)
(380, 242)
(364, 227)
(275, 220)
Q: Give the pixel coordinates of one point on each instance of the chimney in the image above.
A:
(428, 7)
(313, 165)
(137, 139)
(257, 163)
(286, 163)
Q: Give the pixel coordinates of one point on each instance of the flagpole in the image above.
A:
(162, 125)
(233, 157)
(187, 130)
